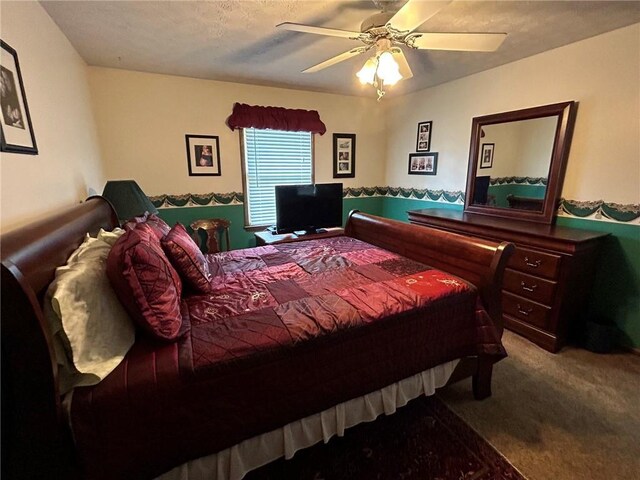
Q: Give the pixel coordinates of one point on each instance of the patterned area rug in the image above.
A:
(421, 441)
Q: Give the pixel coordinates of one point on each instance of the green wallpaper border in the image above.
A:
(518, 180)
(590, 210)
(598, 209)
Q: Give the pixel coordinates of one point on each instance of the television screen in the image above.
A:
(308, 207)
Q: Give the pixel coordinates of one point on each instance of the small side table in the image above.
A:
(267, 238)
(213, 227)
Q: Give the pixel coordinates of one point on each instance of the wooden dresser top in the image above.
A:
(530, 229)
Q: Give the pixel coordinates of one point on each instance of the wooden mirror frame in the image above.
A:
(566, 113)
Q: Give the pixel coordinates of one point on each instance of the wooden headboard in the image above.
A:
(30, 399)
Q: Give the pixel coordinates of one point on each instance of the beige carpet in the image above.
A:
(572, 415)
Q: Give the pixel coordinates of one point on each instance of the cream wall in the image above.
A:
(521, 149)
(142, 119)
(601, 73)
(55, 80)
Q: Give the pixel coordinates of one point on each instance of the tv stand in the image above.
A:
(313, 231)
(267, 237)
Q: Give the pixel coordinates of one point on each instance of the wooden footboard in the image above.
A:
(481, 262)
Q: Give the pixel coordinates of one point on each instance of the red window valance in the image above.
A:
(275, 118)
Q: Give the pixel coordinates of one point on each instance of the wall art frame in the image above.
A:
(16, 129)
(203, 155)
(486, 155)
(423, 139)
(344, 155)
(423, 163)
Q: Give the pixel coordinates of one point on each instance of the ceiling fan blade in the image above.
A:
(414, 13)
(405, 69)
(337, 59)
(469, 42)
(332, 32)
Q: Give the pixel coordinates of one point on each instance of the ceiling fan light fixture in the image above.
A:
(388, 69)
(368, 71)
(380, 70)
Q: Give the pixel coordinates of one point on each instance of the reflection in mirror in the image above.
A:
(513, 163)
(517, 162)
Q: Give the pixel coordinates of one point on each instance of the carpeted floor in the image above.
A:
(424, 440)
(572, 415)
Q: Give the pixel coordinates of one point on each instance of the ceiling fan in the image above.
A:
(387, 32)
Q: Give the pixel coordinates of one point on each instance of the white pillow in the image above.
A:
(92, 331)
(110, 237)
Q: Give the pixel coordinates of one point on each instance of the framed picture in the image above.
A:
(203, 155)
(16, 131)
(423, 163)
(344, 155)
(423, 142)
(486, 156)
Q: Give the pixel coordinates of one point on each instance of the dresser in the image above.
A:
(548, 278)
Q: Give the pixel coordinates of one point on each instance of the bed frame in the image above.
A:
(36, 442)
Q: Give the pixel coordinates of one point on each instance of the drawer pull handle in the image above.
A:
(531, 264)
(523, 311)
(528, 288)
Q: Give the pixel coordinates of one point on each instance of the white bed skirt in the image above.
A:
(235, 462)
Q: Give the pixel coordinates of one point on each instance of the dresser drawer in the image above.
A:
(525, 310)
(528, 286)
(535, 263)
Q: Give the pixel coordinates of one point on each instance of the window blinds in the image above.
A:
(273, 157)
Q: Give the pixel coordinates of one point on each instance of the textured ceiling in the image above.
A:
(236, 40)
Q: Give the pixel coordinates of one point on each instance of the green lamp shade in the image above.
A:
(128, 199)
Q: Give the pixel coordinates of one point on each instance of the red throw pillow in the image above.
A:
(146, 283)
(187, 258)
(133, 222)
(160, 227)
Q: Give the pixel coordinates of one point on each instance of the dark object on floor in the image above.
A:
(422, 441)
(599, 335)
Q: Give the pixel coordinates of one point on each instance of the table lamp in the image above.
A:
(127, 199)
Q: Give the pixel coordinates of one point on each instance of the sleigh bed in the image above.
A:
(292, 334)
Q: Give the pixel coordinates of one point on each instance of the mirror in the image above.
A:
(517, 162)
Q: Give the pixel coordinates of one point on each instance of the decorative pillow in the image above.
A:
(146, 283)
(92, 331)
(160, 227)
(187, 258)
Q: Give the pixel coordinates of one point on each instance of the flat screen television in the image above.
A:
(308, 208)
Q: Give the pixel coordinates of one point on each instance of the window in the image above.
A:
(273, 157)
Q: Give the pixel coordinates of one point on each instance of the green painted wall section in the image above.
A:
(500, 192)
(397, 207)
(372, 205)
(239, 237)
(616, 291)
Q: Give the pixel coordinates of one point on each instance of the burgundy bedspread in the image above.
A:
(289, 330)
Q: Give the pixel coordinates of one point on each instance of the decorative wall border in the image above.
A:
(413, 193)
(599, 209)
(197, 200)
(518, 181)
(592, 210)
